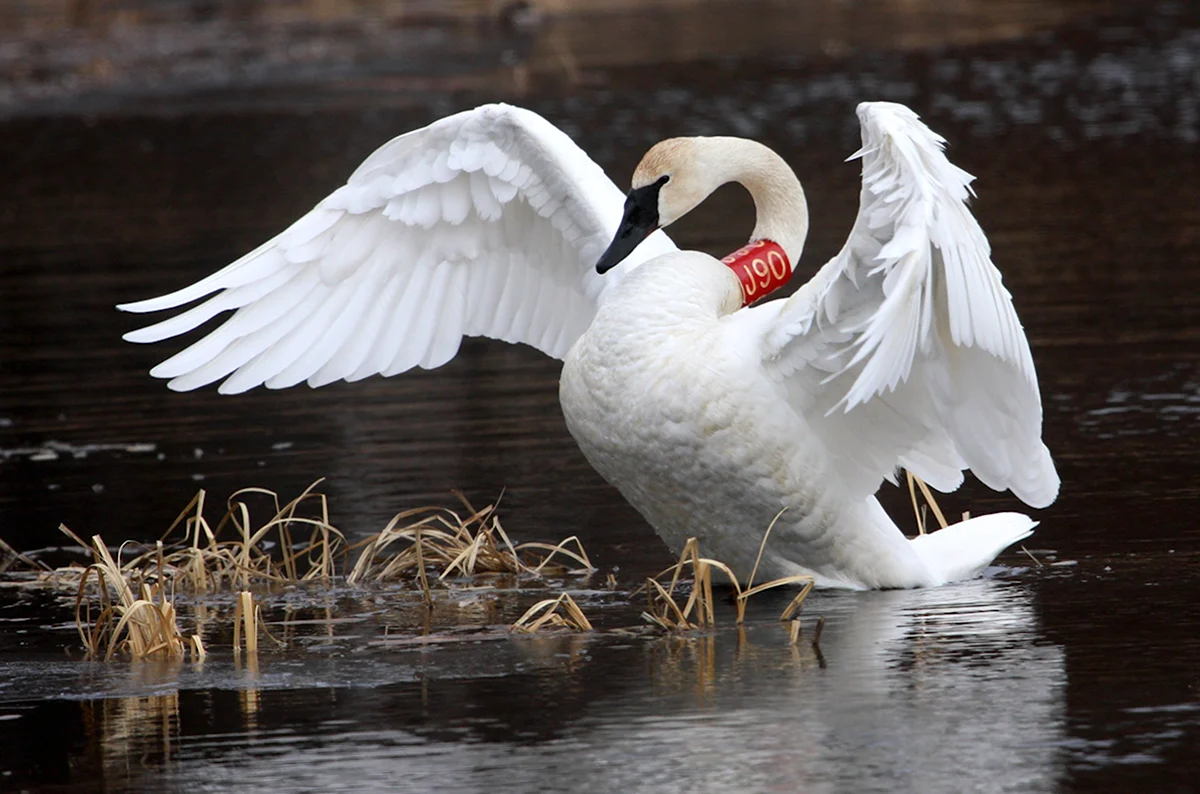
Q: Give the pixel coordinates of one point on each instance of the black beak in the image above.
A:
(638, 223)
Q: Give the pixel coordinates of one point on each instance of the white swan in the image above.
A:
(904, 350)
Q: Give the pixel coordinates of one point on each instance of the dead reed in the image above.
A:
(553, 613)
(12, 558)
(426, 540)
(663, 610)
(204, 562)
(192, 556)
(915, 483)
(135, 614)
(129, 607)
(246, 614)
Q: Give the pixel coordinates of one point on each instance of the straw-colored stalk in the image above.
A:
(425, 538)
(553, 613)
(137, 618)
(15, 557)
(915, 482)
(697, 612)
(245, 616)
(198, 649)
(198, 560)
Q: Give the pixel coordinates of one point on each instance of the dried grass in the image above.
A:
(13, 557)
(246, 614)
(663, 610)
(128, 607)
(196, 558)
(206, 563)
(553, 613)
(915, 483)
(193, 557)
(437, 538)
(135, 615)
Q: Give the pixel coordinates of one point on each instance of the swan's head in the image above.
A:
(673, 177)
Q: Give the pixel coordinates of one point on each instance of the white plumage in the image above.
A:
(932, 366)
(485, 223)
(904, 350)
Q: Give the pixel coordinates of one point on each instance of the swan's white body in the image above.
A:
(904, 350)
(667, 405)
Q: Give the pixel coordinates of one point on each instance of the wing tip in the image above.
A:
(231, 386)
(142, 306)
(1043, 494)
(170, 301)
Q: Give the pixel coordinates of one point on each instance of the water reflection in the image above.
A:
(133, 733)
(915, 690)
(905, 676)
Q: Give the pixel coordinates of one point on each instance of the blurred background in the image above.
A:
(145, 143)
(102, 54)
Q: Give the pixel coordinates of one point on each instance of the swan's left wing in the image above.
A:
(485, 223)
(905, 349)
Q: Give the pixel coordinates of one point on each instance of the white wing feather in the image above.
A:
(905, 349)
(485, 223)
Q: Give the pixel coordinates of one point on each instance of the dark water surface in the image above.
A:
(1081, 674)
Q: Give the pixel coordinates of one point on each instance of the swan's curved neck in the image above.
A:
(778, 197)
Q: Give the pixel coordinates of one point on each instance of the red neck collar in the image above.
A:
(761, 266)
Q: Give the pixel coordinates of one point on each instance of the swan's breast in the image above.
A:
(669, 409)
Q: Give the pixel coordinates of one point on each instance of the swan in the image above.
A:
(713, 417)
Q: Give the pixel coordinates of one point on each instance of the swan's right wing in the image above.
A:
(485, 223)
(905, 349)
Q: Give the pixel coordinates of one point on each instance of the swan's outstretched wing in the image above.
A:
(485, 223)
(905, 349)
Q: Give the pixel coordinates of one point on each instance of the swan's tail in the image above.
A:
(963, 550)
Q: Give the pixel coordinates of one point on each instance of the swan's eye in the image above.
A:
(641, 208)
(639, 222)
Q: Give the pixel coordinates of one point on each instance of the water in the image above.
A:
(1080, 122)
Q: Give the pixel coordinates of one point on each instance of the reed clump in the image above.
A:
(553, 613)
(134, 611)
(662, 605)
(129, 607)
(126, 602)
(663, 593)
(298, 544)
(435, 544)
(194, 557)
